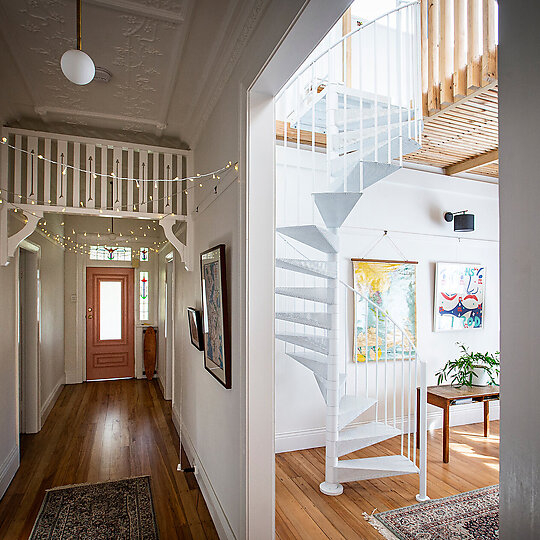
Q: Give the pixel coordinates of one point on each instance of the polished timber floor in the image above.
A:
(106, 431)
(302, 511)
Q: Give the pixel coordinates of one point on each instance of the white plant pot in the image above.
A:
(482, 377)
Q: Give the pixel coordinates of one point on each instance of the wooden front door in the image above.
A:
(110, 324)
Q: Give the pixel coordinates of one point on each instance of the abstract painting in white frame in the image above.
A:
(459, 296)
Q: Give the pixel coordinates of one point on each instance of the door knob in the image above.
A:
(90, 316)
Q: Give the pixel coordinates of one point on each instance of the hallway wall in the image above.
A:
(520, 261)
(214, 419)
(52, 369)
(9, 457)
(51, 352)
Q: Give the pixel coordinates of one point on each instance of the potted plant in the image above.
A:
(471, 369)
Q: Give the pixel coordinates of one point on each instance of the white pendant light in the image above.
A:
(76, 65)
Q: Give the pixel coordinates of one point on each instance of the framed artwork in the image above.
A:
(391, 285)
(195, 328)
(459, 296)
(216, 331)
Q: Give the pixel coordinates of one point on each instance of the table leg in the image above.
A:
(486, 418)
(446, 433)
(418, 418)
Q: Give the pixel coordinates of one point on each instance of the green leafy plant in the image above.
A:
(460, 372)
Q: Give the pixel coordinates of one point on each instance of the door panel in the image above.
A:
(109, 323)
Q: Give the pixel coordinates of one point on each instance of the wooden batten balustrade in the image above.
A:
(459, 50)
(26, 179)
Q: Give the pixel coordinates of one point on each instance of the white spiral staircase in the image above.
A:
(368, 127)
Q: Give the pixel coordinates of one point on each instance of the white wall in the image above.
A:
(51, 348)
(410, 205)
(519, 119)
(9, 440)
(214, 419)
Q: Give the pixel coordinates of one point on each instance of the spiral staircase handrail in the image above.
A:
(340, 41)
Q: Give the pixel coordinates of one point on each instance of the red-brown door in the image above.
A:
(109, 323)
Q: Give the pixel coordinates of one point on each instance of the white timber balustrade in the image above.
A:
(343, 123)
(62, 171)
(45, 172)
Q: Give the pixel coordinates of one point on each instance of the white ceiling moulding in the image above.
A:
(232, 59)
(59, 111)
(141, 9)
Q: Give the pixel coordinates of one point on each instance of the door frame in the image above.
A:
(76, 373)
(29, 377)
(169, 324)
(131, 301)
(315, 18)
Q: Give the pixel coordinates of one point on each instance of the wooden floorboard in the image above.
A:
(107, 431)
(302, 511)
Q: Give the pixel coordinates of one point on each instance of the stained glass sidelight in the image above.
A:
(143, 296)
(143, 254)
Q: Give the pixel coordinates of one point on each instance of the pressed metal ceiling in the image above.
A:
(169, 59)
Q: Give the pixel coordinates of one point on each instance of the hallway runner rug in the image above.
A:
(122, 510)
(467, 516)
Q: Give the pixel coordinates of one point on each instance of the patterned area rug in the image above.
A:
(122, 510)
(467, 516)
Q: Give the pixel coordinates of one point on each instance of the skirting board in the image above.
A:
(8, 469)
(51, 400)
(219, 518)
(315, 438)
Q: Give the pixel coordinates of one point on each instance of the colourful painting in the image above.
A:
(215, 315)
(459, 296)
(390, 285)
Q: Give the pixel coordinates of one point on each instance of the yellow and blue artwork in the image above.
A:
(459, 296)
(391, 286)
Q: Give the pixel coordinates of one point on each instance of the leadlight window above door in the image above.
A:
(110, 253)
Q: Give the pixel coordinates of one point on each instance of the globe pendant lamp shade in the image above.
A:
(77, 66)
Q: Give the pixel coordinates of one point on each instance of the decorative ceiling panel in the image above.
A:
(164, 57)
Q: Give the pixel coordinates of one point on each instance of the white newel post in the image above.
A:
(422, 496)
(3, 204)
(331, 486)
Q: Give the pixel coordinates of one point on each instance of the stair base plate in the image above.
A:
(331, 489)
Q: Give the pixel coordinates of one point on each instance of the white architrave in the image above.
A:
(29, 227)
(185, 251)
(3, 235)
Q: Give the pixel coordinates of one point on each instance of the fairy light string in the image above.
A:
(84, 248)
(65, 166)
(192, 182)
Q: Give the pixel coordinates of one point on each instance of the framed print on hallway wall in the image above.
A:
(459, 296)
(195, 328)
(215, 324)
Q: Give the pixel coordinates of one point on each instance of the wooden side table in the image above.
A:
(446, 395)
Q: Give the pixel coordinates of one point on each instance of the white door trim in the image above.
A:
(30, 378)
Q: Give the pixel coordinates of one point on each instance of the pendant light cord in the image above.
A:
(79, 19)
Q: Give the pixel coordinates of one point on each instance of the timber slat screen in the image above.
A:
(459, 50)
